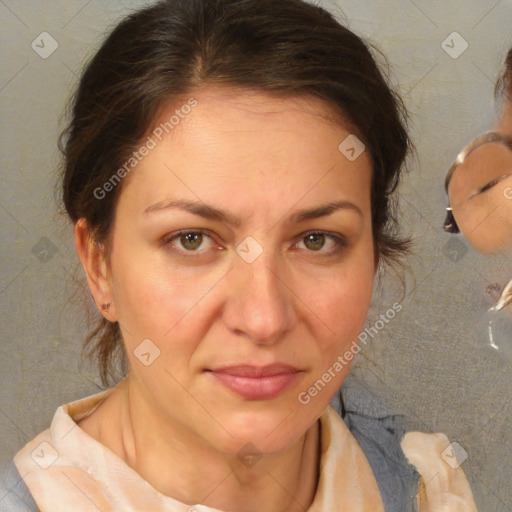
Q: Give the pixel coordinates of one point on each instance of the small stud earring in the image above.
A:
(105, 307)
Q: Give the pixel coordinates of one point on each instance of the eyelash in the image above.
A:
(340, 242)
(490, 185)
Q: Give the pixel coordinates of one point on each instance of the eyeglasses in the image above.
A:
(450, 225)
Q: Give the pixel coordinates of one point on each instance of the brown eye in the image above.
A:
(315, 241)
(191, 241)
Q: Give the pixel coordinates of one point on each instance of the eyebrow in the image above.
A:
(215, 214)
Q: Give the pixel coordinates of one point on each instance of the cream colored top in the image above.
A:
(66, 469)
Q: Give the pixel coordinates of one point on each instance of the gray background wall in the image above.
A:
(431, 361)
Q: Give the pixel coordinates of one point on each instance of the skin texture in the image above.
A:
(485, 218)
(261, 159)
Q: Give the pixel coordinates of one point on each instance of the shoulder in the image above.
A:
(51, 464)
(415, 471)
(444, 485)
(49, 468)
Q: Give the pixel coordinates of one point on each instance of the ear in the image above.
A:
(91, 255)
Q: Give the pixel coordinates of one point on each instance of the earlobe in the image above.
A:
(91, 255)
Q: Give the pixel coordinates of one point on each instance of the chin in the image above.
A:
(270, 431)
(486, 247)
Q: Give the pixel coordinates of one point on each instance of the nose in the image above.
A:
(261, 304)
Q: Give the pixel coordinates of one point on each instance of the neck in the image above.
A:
(179, 464)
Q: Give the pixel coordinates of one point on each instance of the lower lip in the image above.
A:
(257, 388)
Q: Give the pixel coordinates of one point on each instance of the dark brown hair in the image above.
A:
(168, 50)
(504, 83)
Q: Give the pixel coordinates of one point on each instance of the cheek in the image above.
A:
(153, 299)
(155, 302)
(342, 305)
(488, 226)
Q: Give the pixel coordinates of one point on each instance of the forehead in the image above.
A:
(240, 141)
(245, 115)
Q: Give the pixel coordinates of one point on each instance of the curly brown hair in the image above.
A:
(164, 51)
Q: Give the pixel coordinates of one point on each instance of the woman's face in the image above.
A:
(480, 193)
(242, 287)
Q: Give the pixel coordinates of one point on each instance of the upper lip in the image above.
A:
(256, 371)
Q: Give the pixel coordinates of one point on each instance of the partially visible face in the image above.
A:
(480, 193)
(270, 287)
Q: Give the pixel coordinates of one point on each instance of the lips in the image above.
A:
(255, 371)
(256, 383)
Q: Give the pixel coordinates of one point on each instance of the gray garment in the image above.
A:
(377, 431)
(14, 494)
